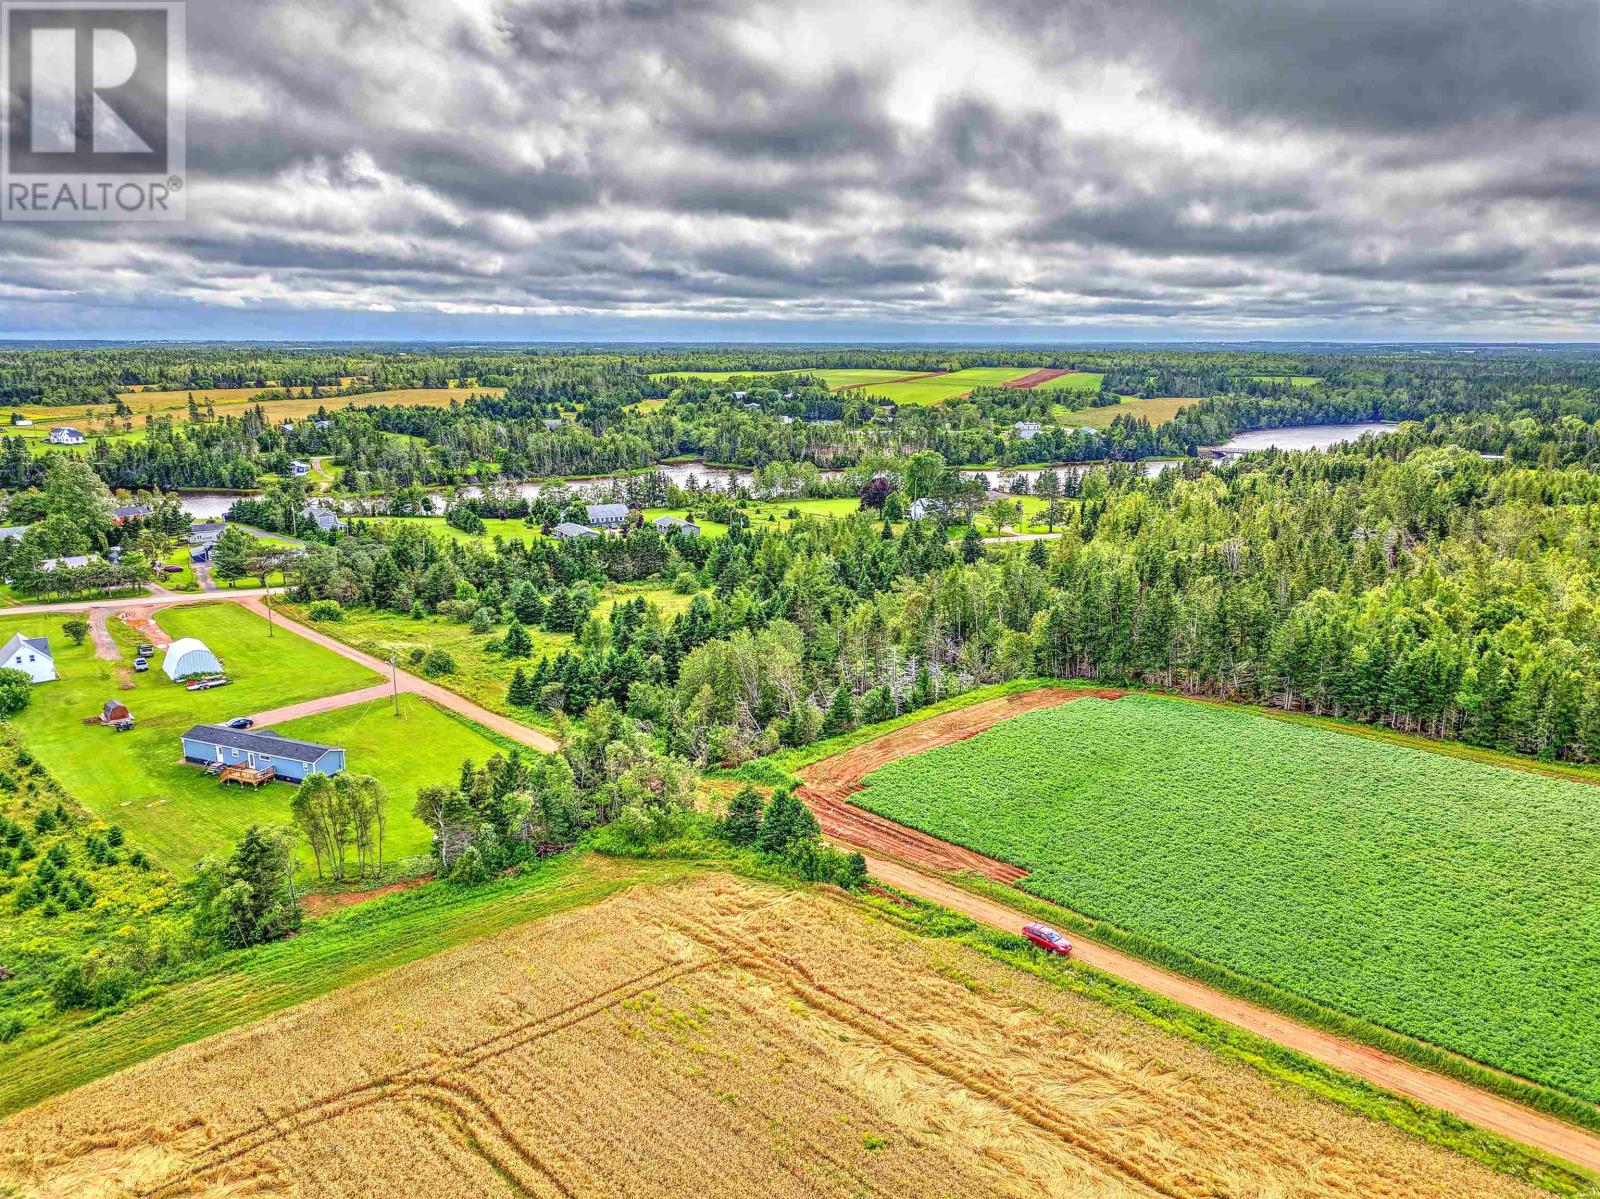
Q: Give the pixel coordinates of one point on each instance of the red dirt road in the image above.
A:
(830, 782)
(903, 857)
(408, 683)
(142, 621)
(1029, 382)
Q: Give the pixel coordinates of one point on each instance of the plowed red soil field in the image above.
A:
(1028, 382)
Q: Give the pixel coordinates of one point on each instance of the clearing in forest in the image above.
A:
(1157, 411)
(1444, 898)
(714, 1037)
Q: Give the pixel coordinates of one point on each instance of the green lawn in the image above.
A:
(1443, 898)
(509, 530)
(1076, 381)
(940, 388)
(1294, 380)
(135, 779)
(717, 376)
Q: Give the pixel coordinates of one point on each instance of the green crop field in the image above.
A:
(1443, 898)
(714, 376)
(859, 378)
(1076, 381)
(175, 812)
(939, 388)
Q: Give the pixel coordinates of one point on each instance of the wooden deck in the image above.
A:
(248, 774)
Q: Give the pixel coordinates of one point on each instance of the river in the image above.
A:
(213, 505)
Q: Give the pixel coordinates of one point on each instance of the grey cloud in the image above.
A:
(1142, 163)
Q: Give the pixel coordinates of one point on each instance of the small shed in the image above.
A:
(189, 656)
(673, 524)
(114, 709)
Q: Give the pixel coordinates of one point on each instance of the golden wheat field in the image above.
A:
(710, 1038)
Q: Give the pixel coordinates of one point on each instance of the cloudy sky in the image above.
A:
(866, 169)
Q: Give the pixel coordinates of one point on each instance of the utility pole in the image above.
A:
(394, 682)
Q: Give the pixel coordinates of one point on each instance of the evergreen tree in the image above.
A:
(742, 824)
(517, 643)
(841, 717)
(787, 823)
(521, 691)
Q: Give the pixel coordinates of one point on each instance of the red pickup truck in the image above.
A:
(1047, 938)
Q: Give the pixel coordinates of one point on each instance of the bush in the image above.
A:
(326, 610)
(16, 691)
(438, 662)
(686, 583)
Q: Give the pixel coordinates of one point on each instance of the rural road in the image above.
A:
(912, 861)
(408, 684)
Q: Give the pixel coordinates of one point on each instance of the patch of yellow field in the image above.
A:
(231, 401)
(1157, 411)
(711, 1038)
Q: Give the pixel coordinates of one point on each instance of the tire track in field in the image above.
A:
(277, 1126)
(786, 971)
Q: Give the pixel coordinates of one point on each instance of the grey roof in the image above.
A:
(326, 518)
(209, 530)
(41, 644)
(135, 510)
(606, 513)
(69, 560)
(264, 742)
(567, 529)
(12, 532)
(673, 522)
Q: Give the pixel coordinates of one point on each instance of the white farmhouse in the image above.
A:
(31, 655)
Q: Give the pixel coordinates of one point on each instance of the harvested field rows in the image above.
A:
(717, 1038)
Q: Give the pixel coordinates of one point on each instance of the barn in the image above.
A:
(264, 754)
(189, 656)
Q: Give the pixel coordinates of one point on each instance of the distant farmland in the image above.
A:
(1075, 381)
(1157, 411)
(1444, 898)
(227, 401)
(939, 388)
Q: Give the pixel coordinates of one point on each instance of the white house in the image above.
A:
(31, 655)
(1027, 430)
(298, 468)
(66, 435)
(921, 509)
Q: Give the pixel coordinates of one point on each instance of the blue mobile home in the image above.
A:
(291, 760)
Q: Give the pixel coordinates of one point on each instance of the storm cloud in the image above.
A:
(1153, 168)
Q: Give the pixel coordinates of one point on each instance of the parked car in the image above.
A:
(240, 722)
(163, 569)
(1047, 938)
(145, 649)
(141, 664)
